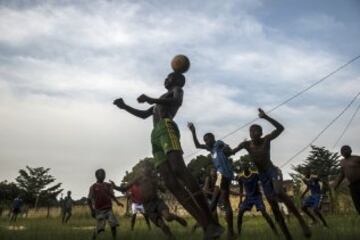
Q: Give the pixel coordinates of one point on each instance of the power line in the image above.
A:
(322, 131)
(285, 101)
(347, 126)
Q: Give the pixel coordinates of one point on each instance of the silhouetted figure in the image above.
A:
(270, 176)
(249, 180)
(168, 155)
(209, 189)
(312, 201)
(16, 208)
(154, 206)
(350, 169)
(67, 207)
(137, 206)
(224, 170)
(100, 203)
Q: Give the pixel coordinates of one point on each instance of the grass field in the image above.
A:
(81, 227)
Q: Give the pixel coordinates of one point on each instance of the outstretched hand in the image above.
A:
(143, 98)
(262, 114)
(112, 183)
(191, 126)
(119, 103)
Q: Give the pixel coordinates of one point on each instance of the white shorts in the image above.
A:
(137, 208)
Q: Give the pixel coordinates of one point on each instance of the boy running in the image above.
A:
(270, 176)
(100, 199)
(67, 207)
(313, 201)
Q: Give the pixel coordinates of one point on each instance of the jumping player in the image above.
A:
(100, 203)
(67, 207)
(225, 174)
(350, 169)
(154, 206)
(249, 180)
(168, 155)
(270, 176)
(313, 201)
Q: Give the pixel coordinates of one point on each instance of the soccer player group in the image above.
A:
(202, 203)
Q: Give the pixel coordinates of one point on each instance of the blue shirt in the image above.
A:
(314, 185)
(251, 184)
(220, 161)
(17, 203)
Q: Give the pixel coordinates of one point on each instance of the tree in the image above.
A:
(8, 192)
(38, 186)
(245, 159)
(200, 166)
(136, 170)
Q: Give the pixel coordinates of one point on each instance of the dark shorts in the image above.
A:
(312, 201)
(249, 202)
(16, 210)
(154, 208)
(267, 179)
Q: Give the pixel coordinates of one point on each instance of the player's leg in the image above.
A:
(269, 221)
(178, 167)
(355, 195)
(320, 216)
(133, 220)
(69, 214)
(113, 222)
(305, 209)
(279, 217)
(240, 219)
(169, 217)
(147, 220)
(177, 189)
(225, 196)
(63, 215)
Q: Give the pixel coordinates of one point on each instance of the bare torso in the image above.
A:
(351, 168)
(161, 111)
(260, 154)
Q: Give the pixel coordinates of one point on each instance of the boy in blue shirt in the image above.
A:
(249, 180)
(312, 201)
(219, 153)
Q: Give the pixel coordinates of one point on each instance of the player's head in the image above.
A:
(346, 151)
(307, 172)
(174, 79)
(209, 139)
(100, 175)
(255, 132)
(69, 193)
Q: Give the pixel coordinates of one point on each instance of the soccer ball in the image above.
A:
(180, 63)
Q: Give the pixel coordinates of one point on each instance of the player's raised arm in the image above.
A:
(279, 128)
(191, 126)
(136, 112)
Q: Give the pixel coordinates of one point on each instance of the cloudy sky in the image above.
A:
(62, 63)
